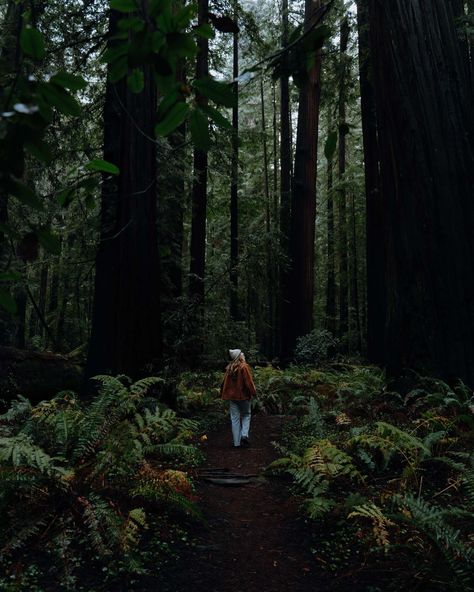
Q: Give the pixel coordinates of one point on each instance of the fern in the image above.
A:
(380, 522)
(433, 523)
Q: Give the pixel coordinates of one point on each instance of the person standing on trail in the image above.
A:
(238, 388)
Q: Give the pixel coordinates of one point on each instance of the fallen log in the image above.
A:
(36, 375)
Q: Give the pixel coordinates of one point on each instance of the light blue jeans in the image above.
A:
(240, 419)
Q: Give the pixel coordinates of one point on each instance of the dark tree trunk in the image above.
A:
(331, 271)
(268, 346)
(234, 205)
(285, 183)
(199, 199)
(425, 123)
(171, 204)
(375, 215)
(13, 159)
(342, 208)
(354, 291)
(126, 331)
(298, 310)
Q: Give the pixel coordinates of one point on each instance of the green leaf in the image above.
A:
(103, 166)
(133, 24)
(181, 45)
(219, 92)
(157, 7)
(217, 116)
(65, 197)
(60, 98)
(136, 81)
(118, 70)
(7, 301)
(24, 194)
(39, 149)
(140, 49)
(330, 146)
(199, 129)
(185, 16)
(49, 241)
(123, 5)
(32, 43)
(172, 120)
(167, 103)
(205, 31)
(10, 276)
(70, 81)
(114, 52)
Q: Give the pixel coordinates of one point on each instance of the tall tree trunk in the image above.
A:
(171, 208)
(10, 55)
(426, 127)
(298, 311)
(331, 267)
(285, 183)
(342, 208)
(126, 330)
(375, 215)
(234, 205)
(199, 198)
(354, 291)
(269, 259)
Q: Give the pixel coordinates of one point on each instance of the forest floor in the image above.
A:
(256, 539)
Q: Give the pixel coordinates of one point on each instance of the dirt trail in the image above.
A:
(256, 540)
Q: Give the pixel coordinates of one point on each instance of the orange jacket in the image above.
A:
(238, 386)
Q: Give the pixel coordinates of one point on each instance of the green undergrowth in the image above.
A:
(95, 494)
(386, 479)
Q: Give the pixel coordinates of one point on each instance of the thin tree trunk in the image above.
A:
(199, 199)
(342, 208)
(426, 133)
(354, 293)
(269, 262)
(285, 184)
(234, 206)
(331, 271)
(126, 328)
(375, 215)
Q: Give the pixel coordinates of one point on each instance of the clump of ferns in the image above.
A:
(75, 472)
(318, 474)
(443, 537)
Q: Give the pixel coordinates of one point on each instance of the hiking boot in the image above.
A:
(245, 442)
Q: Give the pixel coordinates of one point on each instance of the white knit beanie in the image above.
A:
(234, 353)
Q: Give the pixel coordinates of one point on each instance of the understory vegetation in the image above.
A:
(100, 492)
(94, 493)
(386, 478)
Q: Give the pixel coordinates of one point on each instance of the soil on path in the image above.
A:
(256, 539)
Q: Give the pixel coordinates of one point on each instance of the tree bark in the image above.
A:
(13, 159)
(375, 215)
(126, 329)
(298, 311)
(425, 122)
(285, 185)
(331, 271)
(342, 207)
(234, 205)
(199, 197)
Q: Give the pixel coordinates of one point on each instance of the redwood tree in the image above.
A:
(374, 207)
(199, 193)
(298, 307)
(126, 334)
(425, 139)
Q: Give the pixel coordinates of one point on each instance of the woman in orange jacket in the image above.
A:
(238, 388)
